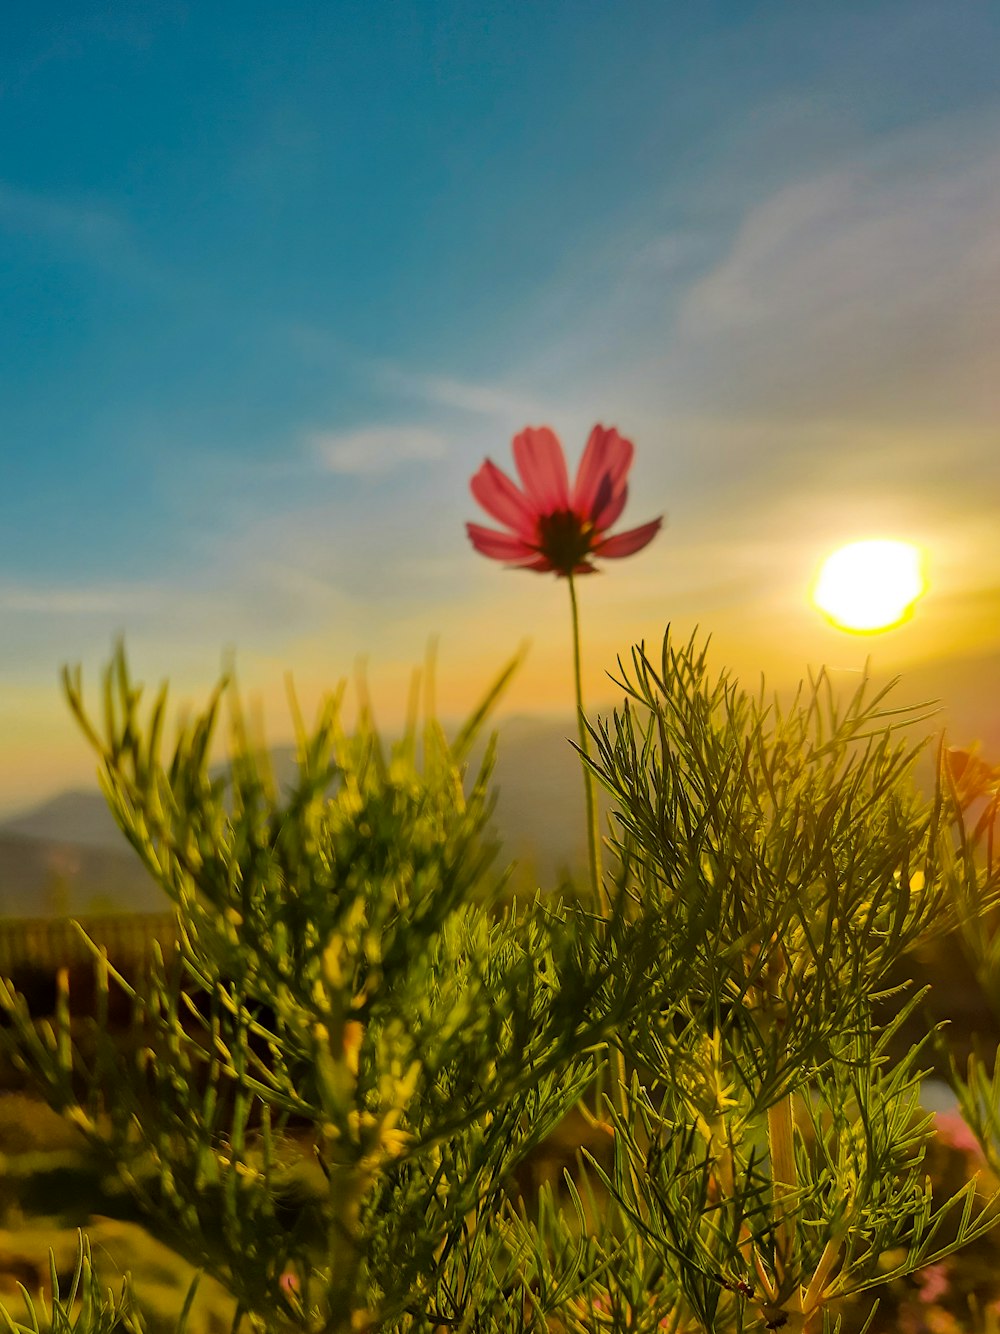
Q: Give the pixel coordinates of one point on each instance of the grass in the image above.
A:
(51, 1184)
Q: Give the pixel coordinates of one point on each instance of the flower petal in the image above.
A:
(603, 467)
(611, 508)
(633, 539)
(540, 563)
(542, 465)
(501, 499)
(499, 546)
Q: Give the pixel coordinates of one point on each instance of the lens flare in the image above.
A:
(870, 586)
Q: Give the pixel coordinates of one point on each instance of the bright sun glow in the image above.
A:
(869, 586)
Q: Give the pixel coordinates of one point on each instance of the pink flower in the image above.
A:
(552, 528)
(933, 1283)
(954, 1130)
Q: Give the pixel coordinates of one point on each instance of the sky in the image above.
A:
(275, 278)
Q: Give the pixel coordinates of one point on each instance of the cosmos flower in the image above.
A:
(551, 527)
(954, 1130)
(934, 1283)
(972, 777)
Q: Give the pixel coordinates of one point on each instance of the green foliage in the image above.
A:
(84, 1308)
(974, 789)
(347, 1055)
(330, 1083)
(771, 1152)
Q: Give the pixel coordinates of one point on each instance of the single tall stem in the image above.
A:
(593, 829)
(619, 1089)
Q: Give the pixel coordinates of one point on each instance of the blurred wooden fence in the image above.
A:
(54, 942)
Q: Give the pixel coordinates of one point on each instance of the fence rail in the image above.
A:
(54, 942)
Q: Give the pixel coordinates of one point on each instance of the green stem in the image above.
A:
(347, 1186)
(813, 1299)
(593, 829)
(784, 1184)
(619, 1088)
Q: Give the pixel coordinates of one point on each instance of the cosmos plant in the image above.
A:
(554, 529)
(331, 1091)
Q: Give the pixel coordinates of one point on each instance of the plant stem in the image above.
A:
(347, 1189)
(593, 830)
(619, 1089)
(784, 1183)
(813, 1299)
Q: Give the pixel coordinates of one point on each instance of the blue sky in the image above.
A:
(275, 278)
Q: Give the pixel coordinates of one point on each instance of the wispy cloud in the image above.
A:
(59, 600)
(376, 450)
(865, 291)
(90, 232)
(497, 399)
(449, 391)
(832, 367)
(873, 286)
(81, 224)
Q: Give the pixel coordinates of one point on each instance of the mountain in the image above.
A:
(40, 876)
(69, 854)
(68, 850)
(540, 815)
(78, 817)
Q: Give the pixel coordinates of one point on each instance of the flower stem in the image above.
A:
(619, 1087)
(593, 830)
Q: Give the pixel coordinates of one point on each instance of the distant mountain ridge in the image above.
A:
(42, 877)
(68, 854)
(77, 816)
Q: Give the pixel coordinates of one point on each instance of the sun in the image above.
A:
(870, 586)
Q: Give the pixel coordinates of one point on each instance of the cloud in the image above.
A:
(64, 601)
(862, 287)
(830, 369)
(376, 450)
(470, 396)
(491, 399)
(88, 232)
(83, 225)
(874, 287)
(481, 398)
